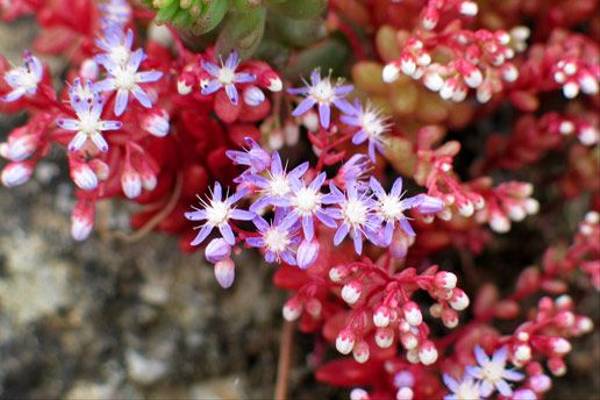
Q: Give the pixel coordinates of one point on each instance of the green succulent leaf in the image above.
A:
(242, 32)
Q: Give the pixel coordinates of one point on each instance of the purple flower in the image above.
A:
(275, 186)
(306, 203)
(372, 127)
(255, 157)
(126, 79)
(115, 12)
(354, 169)
(225, 77)
(116, 45)
(493, 372)
(323, 92)
(356, 210)
(465, 389)
(88, 124)
(24, 80)
(278, 239)
(217, 213)
(390, 207)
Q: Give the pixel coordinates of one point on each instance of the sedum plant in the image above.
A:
(376, 151)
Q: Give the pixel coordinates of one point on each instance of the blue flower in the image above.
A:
(88, 107)
(391, 207)
(274, 188)
(356, 210)
(116, 45)
(306, 203)
(125, 79)
(465, 389)
(493, 372)
(225, 77)
(255, 157)
(278, 239)
(324, 93)
(24, 80)
(115, 12)
(372, 127)
(217, 212)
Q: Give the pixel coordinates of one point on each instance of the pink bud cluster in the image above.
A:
(479, 60)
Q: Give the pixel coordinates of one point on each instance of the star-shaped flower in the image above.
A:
(216, 212)
(324, 93)
(226, 77)
(24, 80)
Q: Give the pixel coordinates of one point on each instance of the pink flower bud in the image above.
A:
(359, 394)
(292, 309)
(21, 147)
(16, 173)
(522, 353)
(390, 73)
(409, 341)
(565, 319)
(381, 317)
(313, 307)
(217, 250)
(408, 64)
(83, 176)
(131, 183)
(583, 325)
(351, 292)
(157, 123)
(101, 169)
(361, 352)
(253, 96)
(445, 280)
(430, 18)
(540, 383)
(307, 253)
(557, 366)
(271, 81)
(524, 394)
(405, 393)
(468, 8)
(89, 70)
(344, 343)
(428, 353)
(412, 313)
(384, 337)
(338, 273)
(459, 300)
(225, 272)
(560, 345)
(82, 220)
(449, 318)
(149, 181)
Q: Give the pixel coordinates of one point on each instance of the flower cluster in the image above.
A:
(380, 194)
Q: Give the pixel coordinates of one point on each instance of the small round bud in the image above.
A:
(217, 250)
(337, 273)
(459, 300)
(560, 345)
(361, 352)
(445, 280)
(449, 318)
(314, 307)
(344, 343)
(428, 353)
(384, 337)
(522, 353)
(412, 313)
(351, 292)
(390, 73)
(405, 393)
(409, 341)
(381, 317)
(359, 394)
(557, 366)
(292, 309)
(225, 272)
